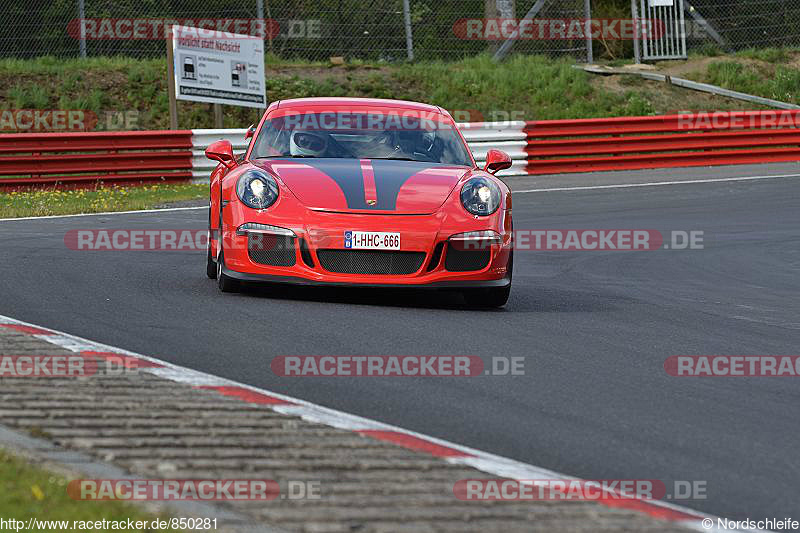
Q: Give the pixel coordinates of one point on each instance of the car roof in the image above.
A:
(354, 102)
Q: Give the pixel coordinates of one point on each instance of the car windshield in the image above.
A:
(363, 136)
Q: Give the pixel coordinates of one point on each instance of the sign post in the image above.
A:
(215, 67)
(173, 104)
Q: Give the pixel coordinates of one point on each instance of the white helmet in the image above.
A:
(308, 143)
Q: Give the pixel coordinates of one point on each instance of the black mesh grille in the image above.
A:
(370, 261)
(460, 260)
(273, 250)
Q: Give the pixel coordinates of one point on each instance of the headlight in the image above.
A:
(257, 189)
(480, 196)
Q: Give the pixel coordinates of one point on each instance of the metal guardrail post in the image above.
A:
(409, 35)
(637, 53)
(81, 17)
(505, 48)
(587, 14)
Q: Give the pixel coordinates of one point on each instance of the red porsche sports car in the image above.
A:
(360, 192)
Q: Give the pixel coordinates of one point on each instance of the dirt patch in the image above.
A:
(794, 62)
(665, 99)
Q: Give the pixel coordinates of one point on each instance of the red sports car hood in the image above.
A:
(373, 185)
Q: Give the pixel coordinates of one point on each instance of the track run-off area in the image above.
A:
(594, 329)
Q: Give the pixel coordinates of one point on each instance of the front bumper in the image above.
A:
(448, 284)
(316, 230)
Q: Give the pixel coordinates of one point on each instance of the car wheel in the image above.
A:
(226, 283)
(211, 265)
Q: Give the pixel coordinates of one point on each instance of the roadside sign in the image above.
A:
(218, 67)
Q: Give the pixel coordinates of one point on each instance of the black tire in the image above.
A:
(225, 283)
(211, 265)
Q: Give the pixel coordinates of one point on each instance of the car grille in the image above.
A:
(465, 260)
(272, 250)
(370, 261)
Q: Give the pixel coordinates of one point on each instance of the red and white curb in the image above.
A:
(448, 451)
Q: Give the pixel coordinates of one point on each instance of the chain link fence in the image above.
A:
(296, 29)
(734, 25)
(374, 30)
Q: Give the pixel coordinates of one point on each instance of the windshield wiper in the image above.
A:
(397, 158)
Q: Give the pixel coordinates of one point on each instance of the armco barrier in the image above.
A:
(481, 136)
(685, 140)
(541, 147)
(84, 159)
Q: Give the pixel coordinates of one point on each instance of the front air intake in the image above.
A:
(460, 260)
(272, 250)
(371, 261)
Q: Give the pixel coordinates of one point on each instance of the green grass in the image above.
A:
(54, 66)
(769, 55)
(31, 492)
(538, 87)
(780, 82)
(67, 202)
(533, 87)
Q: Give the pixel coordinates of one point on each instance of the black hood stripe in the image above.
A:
(390, 176)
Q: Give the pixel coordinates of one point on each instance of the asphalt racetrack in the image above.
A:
(594, 327)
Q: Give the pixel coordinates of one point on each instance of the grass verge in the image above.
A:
(31, 492)
(533, 87)
(66, 202)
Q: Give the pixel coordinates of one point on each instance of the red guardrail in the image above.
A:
(86, 159)
(628, 143)
(553, 146)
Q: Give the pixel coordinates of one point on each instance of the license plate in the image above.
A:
(371, 240)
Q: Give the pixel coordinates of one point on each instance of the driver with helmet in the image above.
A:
(308, 143)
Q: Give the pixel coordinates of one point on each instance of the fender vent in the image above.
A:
(305, 254)
(436, 257)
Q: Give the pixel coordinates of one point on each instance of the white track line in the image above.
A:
(483, 461)
(656, 183)
(552, 189)
(166, 209)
